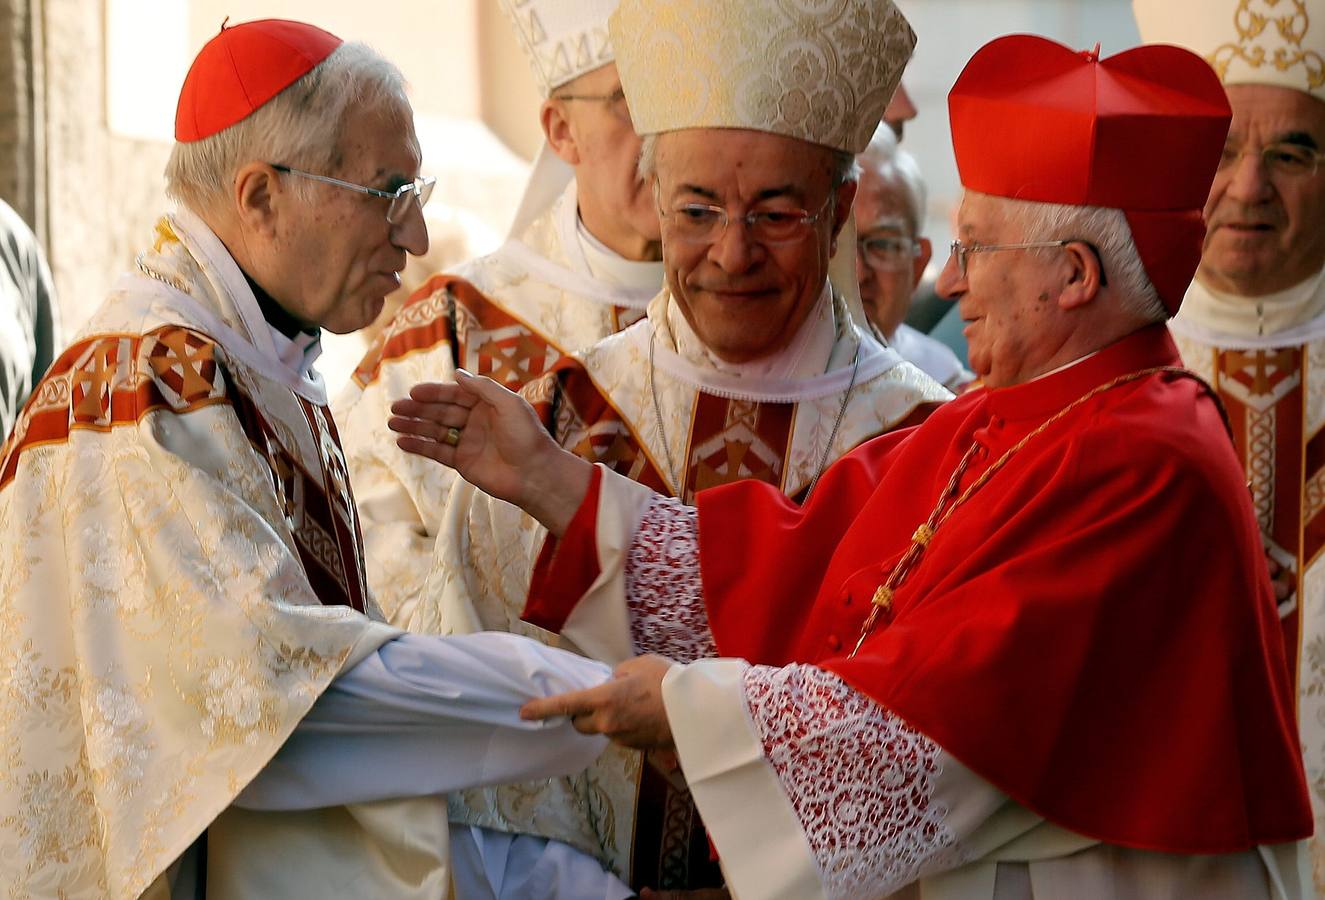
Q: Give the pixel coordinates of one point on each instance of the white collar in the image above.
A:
(606, 265)
(839, 368)
(298, 353)
(1272, 316)
(549, 249)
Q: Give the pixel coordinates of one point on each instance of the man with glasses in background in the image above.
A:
(1253, 322)
(747, 366)
(197, 693)
(891, 256)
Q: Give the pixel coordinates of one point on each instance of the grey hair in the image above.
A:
(894, 164)
(300, 127)
(1107, 230)
(843, 164)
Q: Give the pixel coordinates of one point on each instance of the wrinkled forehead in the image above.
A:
(1267, 113)
(881, 195)
(380, 139)
(981, 215)
(741, 164)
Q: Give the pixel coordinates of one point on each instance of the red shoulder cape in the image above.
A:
(1092, 632)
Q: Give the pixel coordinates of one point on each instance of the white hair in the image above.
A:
(894, 164)
(843, 164)
(1104, 228)
(300, 127)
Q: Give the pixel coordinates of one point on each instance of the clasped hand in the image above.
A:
(628, 708)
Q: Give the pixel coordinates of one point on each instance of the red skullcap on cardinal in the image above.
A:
(1141, 131)
(242, 68)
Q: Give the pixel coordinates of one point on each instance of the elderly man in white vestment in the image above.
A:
(892, 253)
(580, 262)
(747, 366)
(197, 694)
(1253, 321)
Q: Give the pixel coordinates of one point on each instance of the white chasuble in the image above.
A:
(833, 388)
(180, 583)
(510, 316)
(1266, 359)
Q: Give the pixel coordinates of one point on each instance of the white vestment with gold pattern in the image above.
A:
(182, 583)
(776, 419)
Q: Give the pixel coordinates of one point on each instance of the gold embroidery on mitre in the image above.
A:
(819, 71)
(1258, 45)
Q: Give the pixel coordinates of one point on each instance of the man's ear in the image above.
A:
(557, 130)
(258, 194)
(921, 261)
(846, 196)
(1085, 276)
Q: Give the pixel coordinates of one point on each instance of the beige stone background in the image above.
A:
(87, 93)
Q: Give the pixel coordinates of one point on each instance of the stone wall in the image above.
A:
(22, 163)
(103, 192)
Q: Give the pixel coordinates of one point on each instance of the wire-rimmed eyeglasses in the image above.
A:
(704, 223)
(615, 102)
(962, 252)
(420, 188)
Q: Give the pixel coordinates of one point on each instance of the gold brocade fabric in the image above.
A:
(161, 634)
(820, 72)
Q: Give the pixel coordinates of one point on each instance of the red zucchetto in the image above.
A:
(242, 68)
(1141, 132)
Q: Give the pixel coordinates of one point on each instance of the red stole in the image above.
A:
(318, 505)
(1265, 394)
(1092, 632)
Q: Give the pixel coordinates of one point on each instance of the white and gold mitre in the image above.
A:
(563, 39)
(1275, 42)
(818, 70)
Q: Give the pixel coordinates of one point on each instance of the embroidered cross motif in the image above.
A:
(184, 362)
(92, 384)
(1261, 372)
(513, 361)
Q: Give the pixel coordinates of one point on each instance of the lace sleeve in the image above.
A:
(860, 780)
(663, 588)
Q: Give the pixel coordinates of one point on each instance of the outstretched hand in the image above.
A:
(628, 708)
(496, 442)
